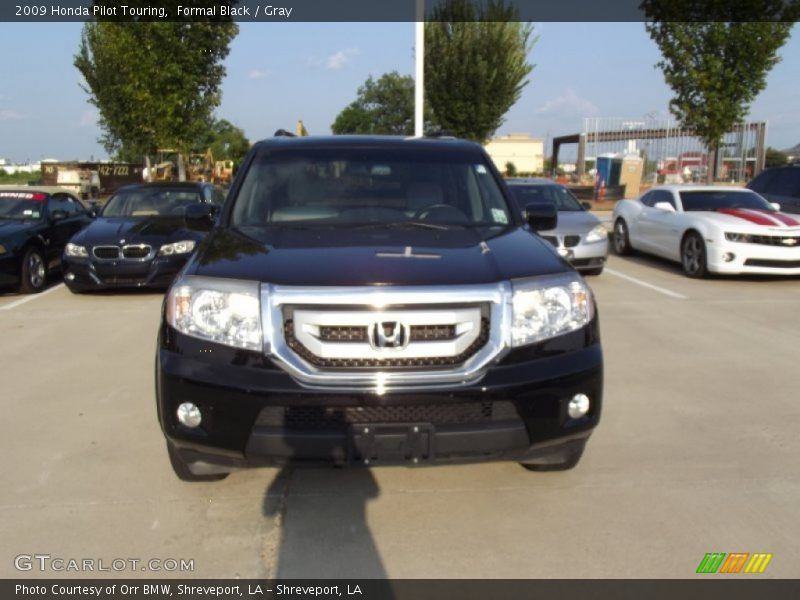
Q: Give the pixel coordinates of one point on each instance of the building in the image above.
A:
(526, 152)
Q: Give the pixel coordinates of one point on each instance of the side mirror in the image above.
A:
(199, 217)
(58, 215)
(775, 205)
(541, 216)
(665, 206)
(586, 205)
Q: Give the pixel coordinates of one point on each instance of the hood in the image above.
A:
(751, 221)
(373, 256)
(148, 230)
(574, 221)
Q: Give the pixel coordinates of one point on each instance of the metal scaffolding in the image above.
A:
(669, 153)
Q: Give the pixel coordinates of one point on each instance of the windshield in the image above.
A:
(557, 195)
(151, 202)
(356, 186)
(715, 200)
(22, 206)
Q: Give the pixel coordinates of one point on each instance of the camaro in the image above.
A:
(712, 229)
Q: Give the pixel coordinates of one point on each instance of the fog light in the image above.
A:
(578, 406)
(69, 276)
(728, 256)
(189, 414)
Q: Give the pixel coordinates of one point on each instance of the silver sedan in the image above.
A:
(580, 237)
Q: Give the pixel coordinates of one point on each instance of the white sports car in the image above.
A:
(710, 229)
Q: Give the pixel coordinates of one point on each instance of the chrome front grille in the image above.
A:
(127, 252)
(790, 241)
(106, 252)
(568, 241)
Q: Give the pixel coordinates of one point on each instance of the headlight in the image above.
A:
(737, 237)
(598, 233)
(75, 251)
(544, 307)
(2, 249)
(226, 311)
(183, 247)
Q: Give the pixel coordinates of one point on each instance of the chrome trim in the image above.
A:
(307, 325)
(380, 300)
(151, 252)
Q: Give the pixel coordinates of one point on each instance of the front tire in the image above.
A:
(33, 274)
(183, 472)
(622, 242)
(694, 259)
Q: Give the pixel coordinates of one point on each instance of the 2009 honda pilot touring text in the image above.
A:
(366, 300)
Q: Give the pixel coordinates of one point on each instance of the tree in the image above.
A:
(155, 84)
(715, 65)
(511, 169)
(385, 106)
(475, 65)
(775, 158)
(227, 142)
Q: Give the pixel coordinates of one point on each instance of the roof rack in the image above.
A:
(284, 133)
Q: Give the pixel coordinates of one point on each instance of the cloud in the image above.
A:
(257, 74)
(88, 118)
(569, 104)
(10, 115)
(334, 62)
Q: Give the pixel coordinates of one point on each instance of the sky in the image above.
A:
(280, 72)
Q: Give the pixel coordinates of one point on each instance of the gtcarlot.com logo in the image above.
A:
(736, 562)
(46, 562)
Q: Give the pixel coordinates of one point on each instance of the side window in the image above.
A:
(648, 199)
(785, 183)
(664, 196)
(63, 202)
(761, 183)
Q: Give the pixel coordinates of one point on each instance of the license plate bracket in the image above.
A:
(391, 443)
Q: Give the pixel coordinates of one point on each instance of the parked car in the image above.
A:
(35, 225)
(580, 237)
(371, 300)
(780, 185)
(140, 239)
(709, 229)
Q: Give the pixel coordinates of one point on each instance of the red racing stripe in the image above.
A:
(754, 217)
(785, 219)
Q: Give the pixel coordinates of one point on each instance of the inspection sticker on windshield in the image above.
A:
(480, 169)
(499, 216)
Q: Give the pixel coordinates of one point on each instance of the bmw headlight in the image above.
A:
(599, 232)
(76, 251)
(183, 247)
(544, 307)
(226, 311)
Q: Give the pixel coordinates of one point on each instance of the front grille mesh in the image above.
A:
(422, 333)
(774, 240)
(775, 264)
(106, 252)
(135, 251)
(327, 418)
(391, 363)
(570, 241)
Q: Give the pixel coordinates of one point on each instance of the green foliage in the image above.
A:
(775, 158)
(382, 107)
(155, 84)
(19, 178)
(227, 142)
(475, 65)
(511, 169)
(716, 67)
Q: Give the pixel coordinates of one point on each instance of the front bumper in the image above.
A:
(757, 259)
(255, 414)
(88, 274)
(584, 256)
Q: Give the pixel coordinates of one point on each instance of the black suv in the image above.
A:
(780, 185)
(368, 300)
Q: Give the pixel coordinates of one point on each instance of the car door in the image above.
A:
(664, 224)
(643, 229)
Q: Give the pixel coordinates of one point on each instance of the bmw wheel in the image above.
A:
(33, 275)
(622, 243)
(693, 256)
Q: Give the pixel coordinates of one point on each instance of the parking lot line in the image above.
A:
(655, 288)
(30, 297)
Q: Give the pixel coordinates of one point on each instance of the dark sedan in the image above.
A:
(35, 225)
(140, 239)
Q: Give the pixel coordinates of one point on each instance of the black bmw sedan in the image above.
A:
(35, 225)
(140, 239)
